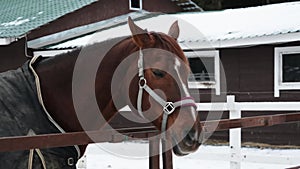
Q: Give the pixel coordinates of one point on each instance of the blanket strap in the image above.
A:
(31, 153)
(30, 160)
(40, 98)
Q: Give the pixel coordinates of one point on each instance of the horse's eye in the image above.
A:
(158, 73)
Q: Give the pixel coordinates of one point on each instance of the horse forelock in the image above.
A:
(126, 44)
(170, 44)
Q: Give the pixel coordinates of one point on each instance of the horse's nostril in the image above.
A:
(191, 137)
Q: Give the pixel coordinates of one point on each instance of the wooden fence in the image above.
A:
(235, 123)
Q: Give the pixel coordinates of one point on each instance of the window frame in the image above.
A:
(203, 85)
(278, 70)
(134, 8)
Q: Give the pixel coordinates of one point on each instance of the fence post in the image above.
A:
(234, 134)
(154, 153)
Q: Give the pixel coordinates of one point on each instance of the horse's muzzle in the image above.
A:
(189, 143)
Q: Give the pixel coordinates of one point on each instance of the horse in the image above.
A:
(58, 95)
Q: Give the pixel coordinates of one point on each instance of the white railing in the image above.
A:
(235, 110)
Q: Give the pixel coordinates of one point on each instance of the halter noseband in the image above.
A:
(168, 107)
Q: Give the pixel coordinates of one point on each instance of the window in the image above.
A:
(291, 67)
(286, 69)
(135, 4)
(205, 70)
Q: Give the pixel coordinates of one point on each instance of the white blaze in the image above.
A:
(184, 87)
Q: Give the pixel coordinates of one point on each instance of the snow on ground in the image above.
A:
(131, 155)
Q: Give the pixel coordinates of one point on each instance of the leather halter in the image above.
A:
(168, 107)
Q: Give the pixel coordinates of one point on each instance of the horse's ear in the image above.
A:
(139, 36)
(174, 30)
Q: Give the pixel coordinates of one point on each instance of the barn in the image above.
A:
(33, 21)
(251, 53)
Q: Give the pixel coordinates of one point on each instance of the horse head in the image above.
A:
(159, 90)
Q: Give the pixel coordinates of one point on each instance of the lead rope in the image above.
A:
(31, 153)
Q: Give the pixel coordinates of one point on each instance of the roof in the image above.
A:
(267, 24)
(277, 23)
(17, 17)
(87, 29)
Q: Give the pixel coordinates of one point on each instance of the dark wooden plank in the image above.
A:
(81, 138)
(247, 122)
(75, 138)
(13, 55)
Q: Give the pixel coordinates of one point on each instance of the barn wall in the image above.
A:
(164, 6)
(249, 74)
(283, 134)
(12, 56)
(99, 11)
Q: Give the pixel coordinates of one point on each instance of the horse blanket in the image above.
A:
(21, 113)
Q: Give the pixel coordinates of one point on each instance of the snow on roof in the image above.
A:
(277, 23)
(85, 29)
(19, 17)
(247, 24)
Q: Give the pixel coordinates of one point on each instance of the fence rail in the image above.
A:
(248, 122)
(74, 138)
(119, 135)
(235, 123)
(235, 112)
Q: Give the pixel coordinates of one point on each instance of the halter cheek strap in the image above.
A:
(168, 107)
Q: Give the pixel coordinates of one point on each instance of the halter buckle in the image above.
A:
(142, 82)
(169, 108)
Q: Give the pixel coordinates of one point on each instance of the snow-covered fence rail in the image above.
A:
(235, 110)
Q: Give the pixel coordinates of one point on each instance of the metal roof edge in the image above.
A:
(242, 42)
(83, 30)
(7, 41)
(49, 53)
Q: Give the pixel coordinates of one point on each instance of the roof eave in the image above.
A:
(7, 41)
(242, 42)
(82, 30)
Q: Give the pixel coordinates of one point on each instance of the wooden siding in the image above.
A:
(12, 56)
(249, 72)
(249, 75)
(164, 6)
(98, 11)
(284, 134)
